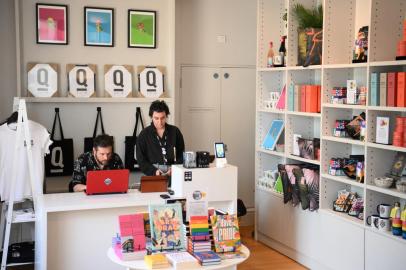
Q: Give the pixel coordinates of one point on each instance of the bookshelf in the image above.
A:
(328, 233)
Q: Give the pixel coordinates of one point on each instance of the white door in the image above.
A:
(238, 126)
(200, 107)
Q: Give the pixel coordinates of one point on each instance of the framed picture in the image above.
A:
(141, 29)
(52, 24)
(99, 27)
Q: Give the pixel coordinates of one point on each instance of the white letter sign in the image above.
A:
(118, 81)
(42, 80)
(81, 81)
(151, 82)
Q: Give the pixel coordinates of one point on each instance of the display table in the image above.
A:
(140, 264)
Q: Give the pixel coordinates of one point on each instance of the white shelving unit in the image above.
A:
(328, 233)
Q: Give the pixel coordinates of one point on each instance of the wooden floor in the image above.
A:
(263, 257)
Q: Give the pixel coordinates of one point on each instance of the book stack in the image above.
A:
(207, 258)
(182, 260)
(199, 239)
(304, 98)
(388, 89)
(226, 233)
(155, 261)
(132, 238)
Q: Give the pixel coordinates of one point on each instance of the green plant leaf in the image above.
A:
(308, 17)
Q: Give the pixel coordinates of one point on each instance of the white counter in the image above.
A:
(73, 230)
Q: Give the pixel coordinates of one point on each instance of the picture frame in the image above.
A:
(141, 29)
(99, 26)
(52, 24)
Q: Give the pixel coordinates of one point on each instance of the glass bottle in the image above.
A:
(282, 50)
(270, 55)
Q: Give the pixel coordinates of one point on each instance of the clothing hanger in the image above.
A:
(11, 119)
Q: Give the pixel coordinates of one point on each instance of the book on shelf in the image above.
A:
(382, 129)
(291, 97)
(226, 233)
(297, 95)
(401, 89)
(303, 98)
(207, 258)
(374, 89)
(158, 260)
(166, 227)
(273, 134)
(318, 98)
(382, 88)
(391, 89)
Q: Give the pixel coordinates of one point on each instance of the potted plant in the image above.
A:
(310, 34)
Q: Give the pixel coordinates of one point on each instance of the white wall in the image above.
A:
(7, 58)
(199, 22)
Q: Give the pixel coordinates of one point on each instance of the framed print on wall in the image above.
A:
(141, 29)
(52, 24)
(99, 27)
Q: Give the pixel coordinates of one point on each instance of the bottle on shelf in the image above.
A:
(270, 55)
(279, 60)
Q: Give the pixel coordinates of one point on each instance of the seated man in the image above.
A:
(159, 145)
(100, 158)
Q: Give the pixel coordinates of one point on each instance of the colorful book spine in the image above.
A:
(303, 98)
(382, 89)
(291, 97)
(280, 105)
(297, 98)
(401, 89)
(318, 98)
(374, 101)
(391, 89)
(313, 99)
(308, 98)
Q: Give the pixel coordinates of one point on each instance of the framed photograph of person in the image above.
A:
(141, 29)
(99, 26)
(52, 24)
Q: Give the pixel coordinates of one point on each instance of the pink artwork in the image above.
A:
(52, 24)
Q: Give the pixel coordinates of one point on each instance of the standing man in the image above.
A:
(100, 158)
(159, 145)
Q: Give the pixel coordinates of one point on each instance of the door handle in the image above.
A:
(226, 75)
(215, 75)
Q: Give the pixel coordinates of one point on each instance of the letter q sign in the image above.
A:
(42, 80)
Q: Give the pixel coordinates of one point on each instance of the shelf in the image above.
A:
(344, 106)
(343, 140)
(386, 234)
(23, 221)
(271, 69)
(355, 65)
(342, 179)
(316, 162)
(388, 109)
(18, 264)
(304, 114)
(304, 68)
(270, 191)
(93, 100)
(386, 147)
(388, 63)
(272, 111)
(270, 152)
(389, 191)
(344, 216)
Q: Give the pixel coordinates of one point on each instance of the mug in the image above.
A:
(373, 221)
(384, 224)
(383, 210)
(396, 226)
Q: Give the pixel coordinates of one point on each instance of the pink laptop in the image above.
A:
(107, 181)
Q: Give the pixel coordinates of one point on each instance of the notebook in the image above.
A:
(107, 181)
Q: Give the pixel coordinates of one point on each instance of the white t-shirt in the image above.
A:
(40, 146)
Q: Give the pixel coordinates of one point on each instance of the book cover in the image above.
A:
(374, 89)
(280, 105)
(291, 98)
(401, 89)
(351, 92)
(382, 88)
(382, 129)
(166, 227)
(273, 135)
(313, 99)
(182, 260)
(391, 89)
(318, 98)
(132, 232)
(303, 98)
(297, 99)
(207, 256)
(226, 233)
(308, 98)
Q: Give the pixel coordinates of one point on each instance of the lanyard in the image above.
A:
(163, 148)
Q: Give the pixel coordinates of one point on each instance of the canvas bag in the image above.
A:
(60, 160)
(131, 143)
(88, 142)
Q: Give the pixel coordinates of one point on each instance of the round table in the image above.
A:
(140, 264)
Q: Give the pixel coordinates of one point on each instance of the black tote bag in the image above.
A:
(60, 160)
(130, 144)
(88, 143)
